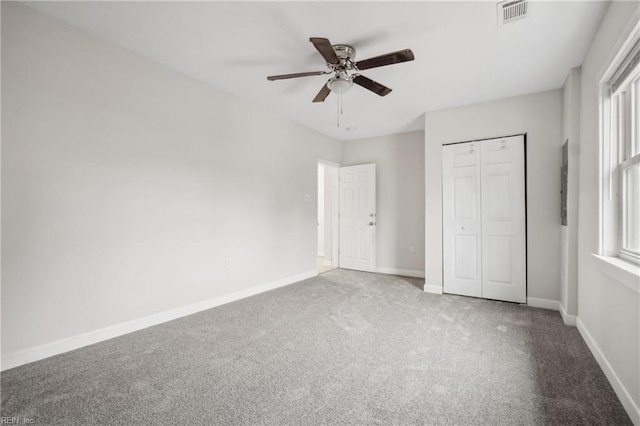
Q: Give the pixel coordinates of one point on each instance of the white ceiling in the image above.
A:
(462, 56)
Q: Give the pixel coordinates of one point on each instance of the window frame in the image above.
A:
(629, 155)
(619, 148)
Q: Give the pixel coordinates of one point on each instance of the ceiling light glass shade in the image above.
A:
(340, 84)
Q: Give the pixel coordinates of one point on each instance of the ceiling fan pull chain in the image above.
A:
(338, 111)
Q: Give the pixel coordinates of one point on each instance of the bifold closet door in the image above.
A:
(484, 243)
(462, 224)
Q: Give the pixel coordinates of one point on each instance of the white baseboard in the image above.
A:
(554, 305)
(567, 318)
(402, 272)
(535, 302)
(433, 288)
(64, 345)
(623, 394)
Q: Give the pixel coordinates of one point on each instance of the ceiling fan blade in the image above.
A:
(374, 86)
(388, 59)
(322, 94)
(326, 49)
(296, 75)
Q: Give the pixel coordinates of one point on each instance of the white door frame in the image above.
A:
(335, 231)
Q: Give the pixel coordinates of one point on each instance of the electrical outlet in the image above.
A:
(412, 250)
(227, 263)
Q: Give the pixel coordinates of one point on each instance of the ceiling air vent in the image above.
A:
(510, 10)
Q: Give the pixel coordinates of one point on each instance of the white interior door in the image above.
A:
(461, 210)
(503, 220)
(358, 217)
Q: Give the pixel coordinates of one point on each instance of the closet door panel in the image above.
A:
(503, 219)
(461, 220)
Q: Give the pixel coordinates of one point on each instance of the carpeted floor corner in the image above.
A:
(345, 347)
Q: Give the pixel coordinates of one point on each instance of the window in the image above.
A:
(629, 132)
(622, 158)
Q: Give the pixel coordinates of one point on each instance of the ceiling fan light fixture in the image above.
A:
(340, 84)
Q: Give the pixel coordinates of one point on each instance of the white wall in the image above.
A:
(540, 117)
(400, 197)
(569, 233)
(608, 311)
(126, 185)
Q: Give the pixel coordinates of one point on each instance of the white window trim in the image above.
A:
(622, 266)
(625, 272)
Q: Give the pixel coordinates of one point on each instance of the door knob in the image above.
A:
(371, 223)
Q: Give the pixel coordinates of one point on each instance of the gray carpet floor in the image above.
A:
(343, 348)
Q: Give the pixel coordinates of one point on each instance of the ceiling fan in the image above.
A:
(340, 61)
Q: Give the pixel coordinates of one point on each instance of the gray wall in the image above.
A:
(540, 117)
(608, 311)
(400, 196)
(125, 186)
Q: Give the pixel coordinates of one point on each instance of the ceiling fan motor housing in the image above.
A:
(346, 54)
(344, 51)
